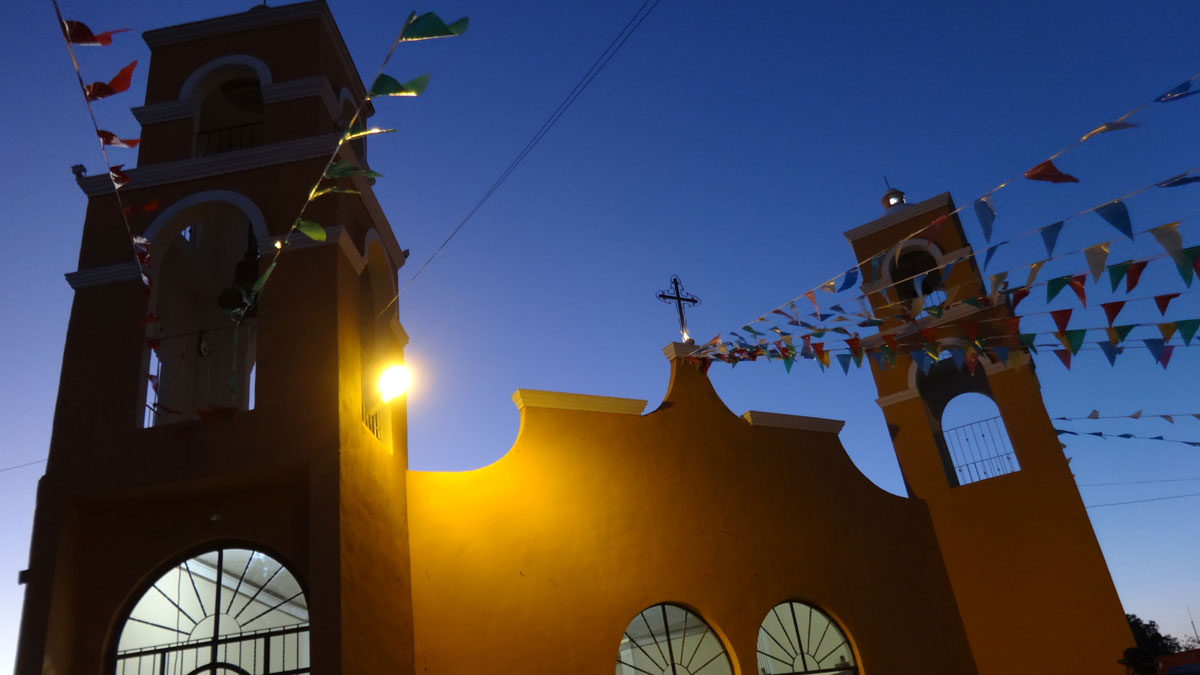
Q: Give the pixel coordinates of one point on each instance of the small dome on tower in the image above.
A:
(893, 198)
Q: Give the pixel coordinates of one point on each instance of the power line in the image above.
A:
(1140, 482)
(1141, 501)
(21, 466)
(601, 61)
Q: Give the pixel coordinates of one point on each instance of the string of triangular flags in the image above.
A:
(1096, 255)
(76, 33)
(1043, 171)
(424, 27)
(1127, 436)
(1136, 415)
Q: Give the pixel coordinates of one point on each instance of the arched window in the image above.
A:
(796, 637)
(977, 443)
(228, 109)
(668, 639)
(200, 360)
(231, 610)
(918, 265)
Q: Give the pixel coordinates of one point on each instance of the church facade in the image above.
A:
(210, 507)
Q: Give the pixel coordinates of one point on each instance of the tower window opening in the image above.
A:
(229, 114)
(918, 266)
(796, 637)
(977, 443)
(667, 639)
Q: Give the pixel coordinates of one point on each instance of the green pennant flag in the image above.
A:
(1117, 334)
(1073, 339)
(936, 311)
(386, 85)
(262, 280)
(1117, 272)
(311, 230)
(1055, 286)
(1027, 340)
(787, 363)
(358, 132)
(332, 190)
(1187, 329)
(345, 169)
(430, 25)
(1186, 263)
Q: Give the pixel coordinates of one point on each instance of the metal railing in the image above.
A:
(271, 651)
(214, 141)
(980, 450)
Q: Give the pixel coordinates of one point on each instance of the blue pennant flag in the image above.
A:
(1001, 354)
(844, 362)
(1180, 91)
(1050, 237)
(959, 356)
(986, 215)
(991, 252)
(1155, 345)
(924, 362)
(850, 278)
(1110, 351)
(1115, 214)
(1179, 181)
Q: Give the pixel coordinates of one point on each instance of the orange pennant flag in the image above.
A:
(98, 90)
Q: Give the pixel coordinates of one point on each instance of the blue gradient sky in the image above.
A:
(730, 144)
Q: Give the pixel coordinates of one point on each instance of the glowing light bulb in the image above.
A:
(278, 243)
(393, 382)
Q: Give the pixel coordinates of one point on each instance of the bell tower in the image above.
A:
(229, 496)
(1017, 543)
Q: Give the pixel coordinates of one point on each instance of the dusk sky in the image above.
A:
(729, 143)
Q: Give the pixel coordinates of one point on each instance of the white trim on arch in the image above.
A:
(198, 75)
(235, 199)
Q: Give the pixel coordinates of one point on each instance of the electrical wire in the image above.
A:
(1141, 501)
(598, 65)
(21, 466)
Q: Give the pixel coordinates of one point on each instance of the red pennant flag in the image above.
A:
(1061, 317)
(890, 340)
(1019, 295)
(1064, 355)
(931, 232)
(134, 209)
(1112, 309)
(855, 345)
(1161, 301)
(1048, 172)
(972, 361)
(154, 344)
(79, 34)
(1014, 324)
(119, 178)
(150, 318)
(930, 335)
(819, 349)
(1167, 350)
(153, 381)
(98, 90)
(1134, 274)
(109, 138)
(1076, 285)
(971, 328)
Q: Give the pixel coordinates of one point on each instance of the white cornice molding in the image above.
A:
(890, 399)
(99, 276)
(768, 419)
(157, 113)
(215, 165)
(533, 398)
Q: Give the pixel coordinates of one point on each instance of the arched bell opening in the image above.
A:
(201, 347)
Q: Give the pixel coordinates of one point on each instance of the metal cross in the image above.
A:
(676, 296)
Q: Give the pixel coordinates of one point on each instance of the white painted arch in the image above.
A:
(198, 76)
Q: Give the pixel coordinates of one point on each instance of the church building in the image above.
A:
(212, 507)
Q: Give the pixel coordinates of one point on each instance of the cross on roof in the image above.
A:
(675, 295)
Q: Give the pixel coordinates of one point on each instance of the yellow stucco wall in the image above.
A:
(538, 562)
